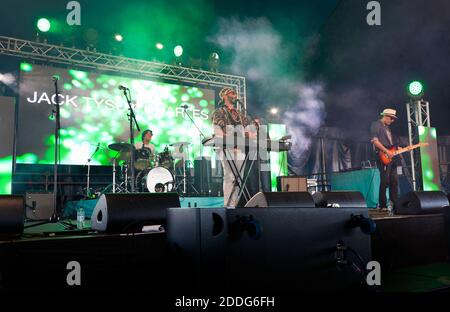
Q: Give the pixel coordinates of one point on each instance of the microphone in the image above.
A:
(98, 147)
(122, 88)
(184, 106)
(55, 78)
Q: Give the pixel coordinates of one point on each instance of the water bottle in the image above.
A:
(390, 208)
(80, 218)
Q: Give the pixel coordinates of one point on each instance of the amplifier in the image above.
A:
(39, 206)
(292, 184)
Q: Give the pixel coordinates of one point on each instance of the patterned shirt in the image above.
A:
(223, 117)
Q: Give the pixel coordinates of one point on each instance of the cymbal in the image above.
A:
(120, 147)
(179, 144)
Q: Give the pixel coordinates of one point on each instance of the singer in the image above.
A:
(222, 118)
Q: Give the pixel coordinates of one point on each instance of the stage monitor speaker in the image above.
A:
(11, 215)
(421, 202)
(130, 212)
(39, 206)
(281, 199)
(339, 199)
(291, 184)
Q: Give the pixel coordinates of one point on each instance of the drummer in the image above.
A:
(146, 137)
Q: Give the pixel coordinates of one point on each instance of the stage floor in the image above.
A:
(412, 250)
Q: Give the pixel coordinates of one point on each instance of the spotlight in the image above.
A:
(415, 89)
(274, 110)
(214, 56)
(26, 67)
(178, 51)
(118, 37)
(43, 24)
(159, 46)
(214, 62)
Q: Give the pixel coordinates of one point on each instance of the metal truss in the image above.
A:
(105, 62)
(418, 115)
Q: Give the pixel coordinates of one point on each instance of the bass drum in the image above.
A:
(159, 180)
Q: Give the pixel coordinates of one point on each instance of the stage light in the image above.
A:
(178, 51)
(214, 62)
(118, 37)
(159, 46)
(214, 56)
(274, 110)
(26, 67)
(415, 89)
(43, 24)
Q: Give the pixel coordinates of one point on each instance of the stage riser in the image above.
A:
(107, 263)
(295, 250)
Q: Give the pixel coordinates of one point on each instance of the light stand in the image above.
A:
(131, 118)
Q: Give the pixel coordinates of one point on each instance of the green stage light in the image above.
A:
(178, 51)
(43, 24)
(159, 46)
(118, 37)
(26, 67)
(415, 88)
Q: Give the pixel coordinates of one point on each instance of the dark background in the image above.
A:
(363, 68)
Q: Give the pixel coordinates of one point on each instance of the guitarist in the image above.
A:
(381, 138)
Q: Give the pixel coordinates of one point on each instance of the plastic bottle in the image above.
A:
(390, 208)
(80, 218)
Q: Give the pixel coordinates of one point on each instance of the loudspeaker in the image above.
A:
(203, 175)
(11, 215)
(446, 211)
(130, 212)
(421, 202)
(254, 249)
(291, 184)
(198, 239)
(39, 206)
(339, 199)
(281, 199)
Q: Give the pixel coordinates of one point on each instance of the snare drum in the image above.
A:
(159, 180)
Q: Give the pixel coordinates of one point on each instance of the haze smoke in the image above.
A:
(8, 79)
(259, 53)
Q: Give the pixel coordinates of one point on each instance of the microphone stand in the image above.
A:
(202, 137)
(258, 161)
(56, 113)
(88, 195)
(131, 118)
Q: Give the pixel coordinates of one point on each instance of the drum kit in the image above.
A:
(154, 173)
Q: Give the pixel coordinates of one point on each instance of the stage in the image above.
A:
(412, 251)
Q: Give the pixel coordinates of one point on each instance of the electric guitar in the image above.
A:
(386, 160)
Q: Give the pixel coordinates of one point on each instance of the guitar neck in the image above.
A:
(408, 148)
